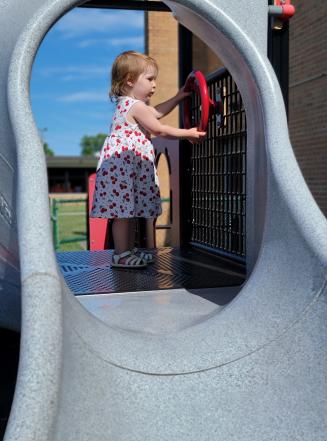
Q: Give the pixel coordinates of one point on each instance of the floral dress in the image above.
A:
(127, 183)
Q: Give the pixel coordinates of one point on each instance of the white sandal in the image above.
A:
(146, 257)
(133, 262)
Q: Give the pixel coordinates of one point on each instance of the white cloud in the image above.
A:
(73, 73)
(85, 96)
(88, 70)
(102, 116)
(84, 21)
(133, 42)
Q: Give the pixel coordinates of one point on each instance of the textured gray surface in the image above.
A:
(254, 370)
(151, 312)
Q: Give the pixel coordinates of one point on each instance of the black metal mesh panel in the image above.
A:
(218, 172)
(88, 272)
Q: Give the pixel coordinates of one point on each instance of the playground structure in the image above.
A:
(252, 370)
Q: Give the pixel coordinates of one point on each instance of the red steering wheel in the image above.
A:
(196, 82)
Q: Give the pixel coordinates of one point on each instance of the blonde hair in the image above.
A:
(128, 66)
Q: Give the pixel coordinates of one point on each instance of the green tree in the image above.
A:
(47, 150)
(90, 145)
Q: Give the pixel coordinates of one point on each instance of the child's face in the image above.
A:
(144, 87)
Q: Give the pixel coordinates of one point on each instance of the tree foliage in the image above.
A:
(47, 150)
(91, 145)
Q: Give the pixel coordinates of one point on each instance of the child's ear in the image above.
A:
(129, 82)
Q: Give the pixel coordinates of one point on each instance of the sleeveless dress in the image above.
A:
(127, 182)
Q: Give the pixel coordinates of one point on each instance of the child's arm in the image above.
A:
(145, 117)
(166, 107)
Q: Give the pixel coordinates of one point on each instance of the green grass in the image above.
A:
(72, 223)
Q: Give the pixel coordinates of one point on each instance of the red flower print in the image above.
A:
(103, 210)
(118, 127)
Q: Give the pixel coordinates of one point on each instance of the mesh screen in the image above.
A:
(219, 172)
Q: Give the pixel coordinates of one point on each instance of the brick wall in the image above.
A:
(162, 44)
(308, 94)
(203, 58)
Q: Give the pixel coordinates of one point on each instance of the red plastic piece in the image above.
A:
(287, 7)
(196, 82)
(97, 227)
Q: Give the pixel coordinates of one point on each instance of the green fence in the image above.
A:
(66, 220)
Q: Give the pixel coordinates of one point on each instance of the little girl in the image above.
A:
(127, 183)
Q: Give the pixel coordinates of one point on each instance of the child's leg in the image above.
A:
(146, 256)
(132, 234)
(123, 257)
(121, 234)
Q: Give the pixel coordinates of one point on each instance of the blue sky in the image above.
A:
(71, 74)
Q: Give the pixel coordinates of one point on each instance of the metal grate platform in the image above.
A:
(88, 272)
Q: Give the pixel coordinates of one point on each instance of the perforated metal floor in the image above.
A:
(88, 272)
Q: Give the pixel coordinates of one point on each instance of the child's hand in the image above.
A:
(193, 135)
(181, 94)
